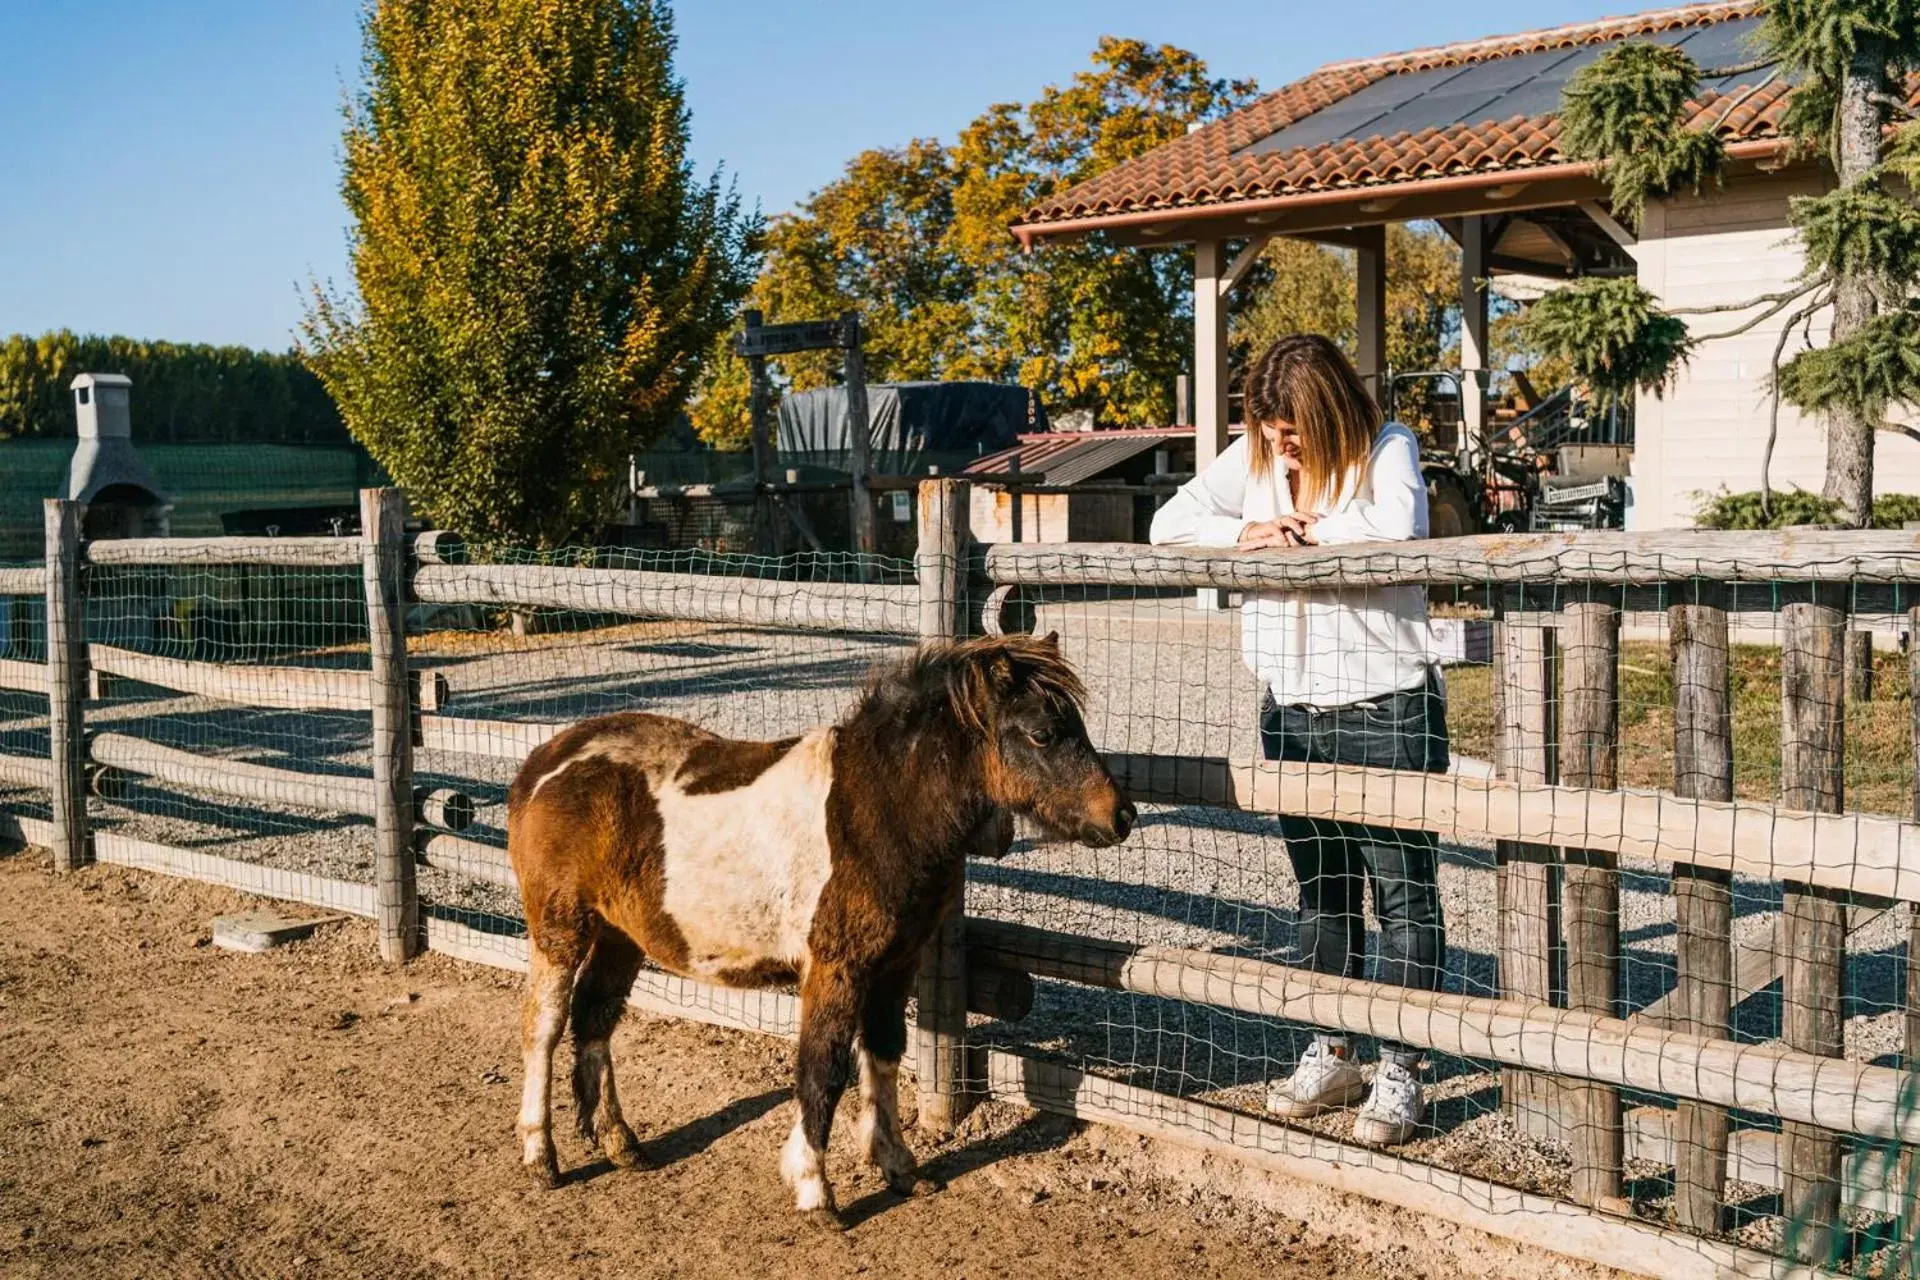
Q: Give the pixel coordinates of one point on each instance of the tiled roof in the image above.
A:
(1212, 165)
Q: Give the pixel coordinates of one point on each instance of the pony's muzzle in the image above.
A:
(1099, 835)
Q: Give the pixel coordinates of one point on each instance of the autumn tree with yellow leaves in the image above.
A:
(915, 239)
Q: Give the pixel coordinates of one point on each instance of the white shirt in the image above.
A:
(1320, 648)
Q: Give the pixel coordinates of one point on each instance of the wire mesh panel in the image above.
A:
(1517, 690)
(528, 643)
(23, 697)
(1584, 879)
(228, 725)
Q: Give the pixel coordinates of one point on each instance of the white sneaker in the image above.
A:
(1323, 1080)
(1392, 1111)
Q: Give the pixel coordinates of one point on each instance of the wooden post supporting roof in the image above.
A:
(1473, 335)
(1370, 307)
(1209, 366)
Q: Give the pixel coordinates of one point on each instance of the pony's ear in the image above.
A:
(1052, 641)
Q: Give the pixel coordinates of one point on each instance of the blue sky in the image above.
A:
(171, 168)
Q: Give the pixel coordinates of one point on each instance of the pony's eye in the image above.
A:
(1040, 737)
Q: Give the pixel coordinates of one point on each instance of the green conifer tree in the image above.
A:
(1626, 111)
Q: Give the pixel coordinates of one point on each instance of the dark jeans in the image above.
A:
(1406, 730)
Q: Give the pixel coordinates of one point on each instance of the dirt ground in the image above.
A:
(171, 1109)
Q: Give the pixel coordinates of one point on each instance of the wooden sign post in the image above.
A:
(760, 403)
(859, 433)
(758, 341)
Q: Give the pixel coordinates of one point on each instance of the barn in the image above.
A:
(1465, 135)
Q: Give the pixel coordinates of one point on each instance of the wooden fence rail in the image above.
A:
(760, 602)
(313, 553)
(486, 863)
(265, 784)
(1832, 1093)
(498, 739)
(1561, 559)
(1860, 853)
(244, 684)
(26, 771)
(23, 677)
(30, 581)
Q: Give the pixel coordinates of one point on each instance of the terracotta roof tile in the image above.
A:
(1208, 166)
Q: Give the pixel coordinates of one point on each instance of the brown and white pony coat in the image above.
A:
(827, 859)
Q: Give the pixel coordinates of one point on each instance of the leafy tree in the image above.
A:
(1310, 288)
(916, 240)
(540, 274)
(880, 241)
(185, 393)
(877, 240)
(1090, 323)
(1861, 242)
(1513, 347)
(1423, 296)
(721, 406)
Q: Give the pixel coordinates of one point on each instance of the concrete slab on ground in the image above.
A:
(263, 930)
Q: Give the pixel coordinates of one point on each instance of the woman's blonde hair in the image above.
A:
(1305, 380)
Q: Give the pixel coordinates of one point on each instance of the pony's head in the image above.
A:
(1020, 699)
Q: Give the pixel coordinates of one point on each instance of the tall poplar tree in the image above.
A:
(540, 272)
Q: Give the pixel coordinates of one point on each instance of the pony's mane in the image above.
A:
(966, 673)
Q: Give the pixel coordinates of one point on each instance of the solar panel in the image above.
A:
(1499, 89)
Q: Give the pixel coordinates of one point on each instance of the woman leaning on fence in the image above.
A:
(1350, 680)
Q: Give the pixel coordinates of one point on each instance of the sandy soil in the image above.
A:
(172, 1109)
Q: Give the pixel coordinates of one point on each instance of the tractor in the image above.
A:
(1549, 462)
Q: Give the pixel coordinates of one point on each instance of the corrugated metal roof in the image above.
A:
(1069, 461)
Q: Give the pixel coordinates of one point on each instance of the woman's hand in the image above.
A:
(1281, 531)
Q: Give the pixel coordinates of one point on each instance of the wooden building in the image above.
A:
(1077, 486)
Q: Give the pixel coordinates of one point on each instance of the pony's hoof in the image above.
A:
(913, 1183)
(544, 1173)
(622, 1149)
(826, 1220)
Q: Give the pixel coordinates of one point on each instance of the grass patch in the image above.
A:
(1879, 741)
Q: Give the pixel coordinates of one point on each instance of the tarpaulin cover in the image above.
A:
(912, 424)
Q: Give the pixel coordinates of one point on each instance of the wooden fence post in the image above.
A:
(1590, 884)
(1910, 1057)
(940, 1030)
(1702, 896)
(383, 518)
(66, 683)
(1812, 762)
(1859, 666)
(1524, 752)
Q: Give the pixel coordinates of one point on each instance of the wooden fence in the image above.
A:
(1562, 823)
